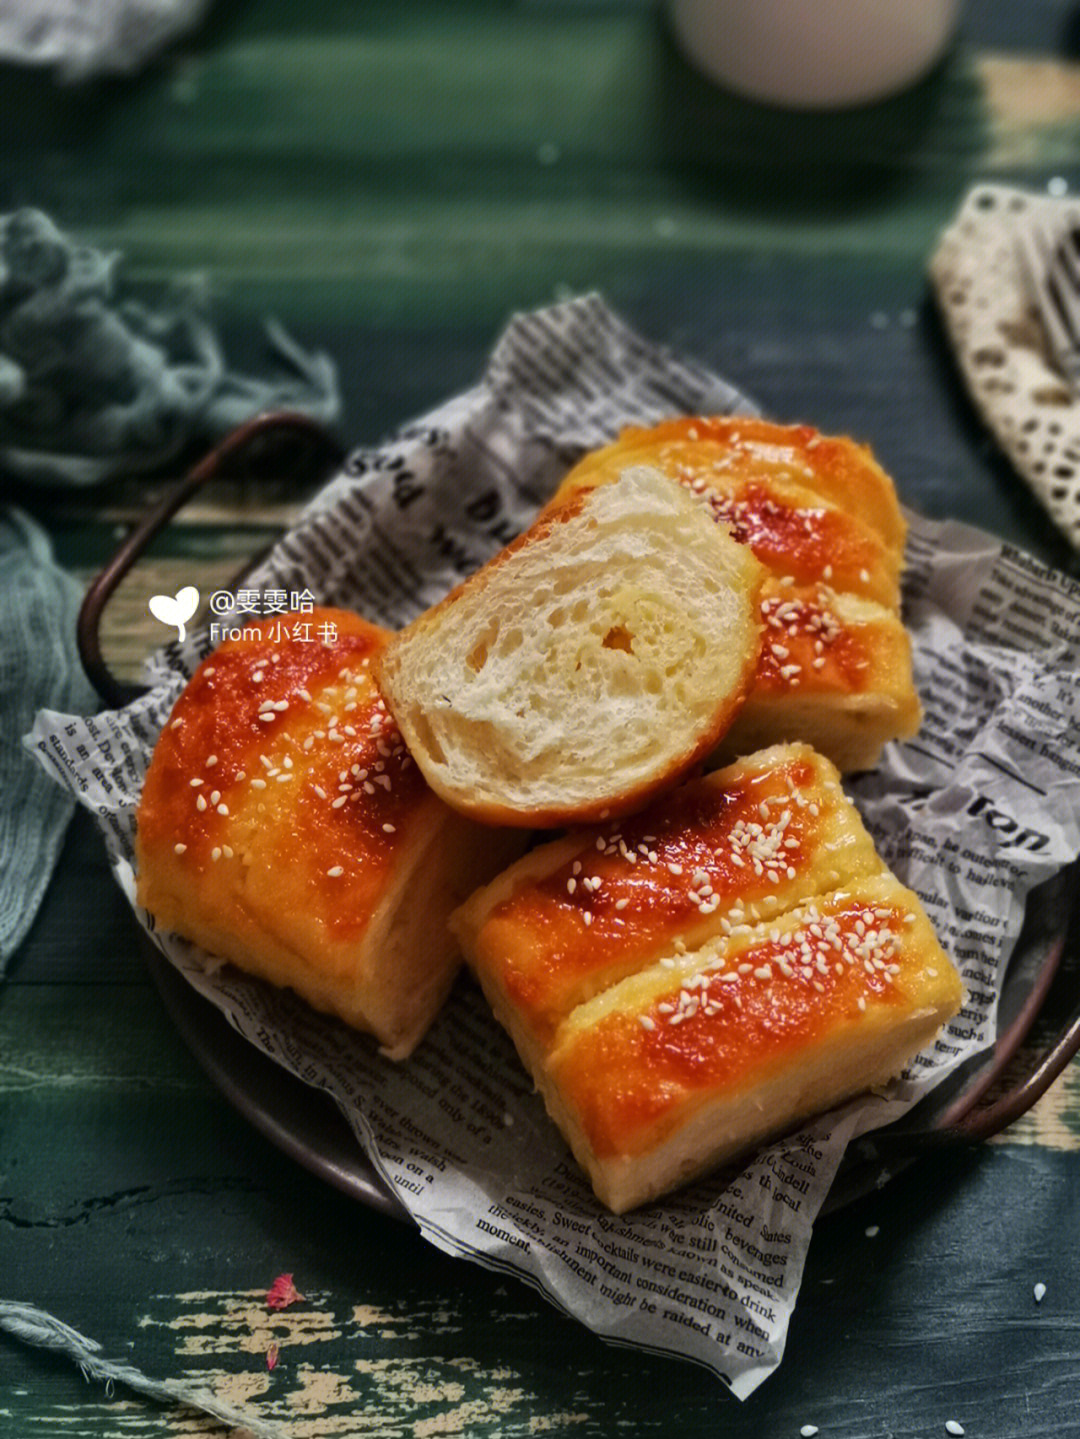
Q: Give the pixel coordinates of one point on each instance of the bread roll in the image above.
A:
(677, 1070)
(592, 662)
(284, 827)
(683, 984)
(580, 913)
(823, 517)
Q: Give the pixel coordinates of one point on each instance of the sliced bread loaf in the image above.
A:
(593, 661)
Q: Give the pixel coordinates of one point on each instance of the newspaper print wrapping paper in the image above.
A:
(975, 811)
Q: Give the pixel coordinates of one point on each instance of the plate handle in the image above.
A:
(984, 1120)
(279, 436)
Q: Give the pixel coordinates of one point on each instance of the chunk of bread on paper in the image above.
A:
(591, 663)
(688, 982)
(823, 517)
(284, 827)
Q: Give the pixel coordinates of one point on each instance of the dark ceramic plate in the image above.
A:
(980, 1099)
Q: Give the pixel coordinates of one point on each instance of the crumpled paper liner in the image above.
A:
(1001, 346)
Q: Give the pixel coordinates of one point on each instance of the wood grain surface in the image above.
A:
(392, 182)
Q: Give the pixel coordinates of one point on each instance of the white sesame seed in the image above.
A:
(266, 716)
(335, 871)
(319, 791)
(952, 1427)
(304, 695)
(215, 853)
(176, 723)
(808, 1431)
(195, 783)
(873, 1231)
(210, 669)
(646, 1022)
(389, 829)
(258, 784)
(587, 916)
(179, 848)
(621, 903)
(337, 803)
(257, 677)
(227, 851)
(223, 809)
(200, 803)
(287, 762)
(571, 885)
(241, 774)
(1039, 1292)
(215, 796)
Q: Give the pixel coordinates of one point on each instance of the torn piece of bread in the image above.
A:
(823, 517)
(283, 826)
(589, 664)
(633, 963)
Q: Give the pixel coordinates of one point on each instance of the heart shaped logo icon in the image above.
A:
(176, 609)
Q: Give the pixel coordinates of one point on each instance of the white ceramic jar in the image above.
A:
(815, 54)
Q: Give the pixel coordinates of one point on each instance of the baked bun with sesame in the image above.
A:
(284, 827)
(823, 518)
(588, 665)
(687, 982)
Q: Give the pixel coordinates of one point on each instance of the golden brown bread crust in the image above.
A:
(807, 1010)
(834, 670)
(823, 517)
(577, 915)
(810, 507)
(579, 944)
(283, 826)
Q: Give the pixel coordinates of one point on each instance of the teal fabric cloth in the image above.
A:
(39, 669)
(94, 381)
(94, 37)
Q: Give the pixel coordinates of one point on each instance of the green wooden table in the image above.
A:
(392, 182)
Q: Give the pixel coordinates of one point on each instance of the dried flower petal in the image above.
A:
(283, 1292)
(272, 1356)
